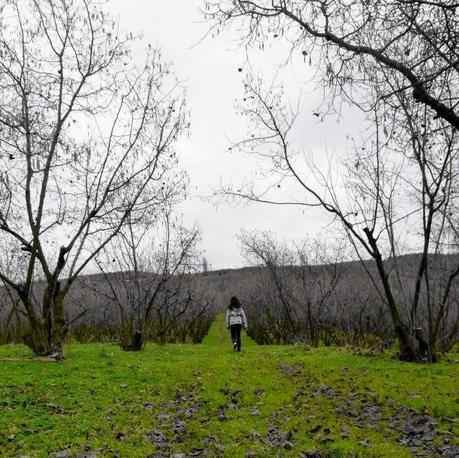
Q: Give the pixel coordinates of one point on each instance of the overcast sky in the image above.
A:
(209, 70)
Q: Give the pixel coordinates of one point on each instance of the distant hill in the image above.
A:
(219, 285)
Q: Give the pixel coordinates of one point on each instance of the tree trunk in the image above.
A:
(136, 341)
(408, 350)
(406, 344)
(37, 338)
(46, 335)
(312, 330)
(59, 330)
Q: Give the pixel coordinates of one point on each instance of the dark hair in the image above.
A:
(234, 303)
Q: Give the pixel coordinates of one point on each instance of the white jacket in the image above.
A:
(236, 316)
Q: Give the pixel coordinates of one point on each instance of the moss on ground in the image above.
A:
(207, 399)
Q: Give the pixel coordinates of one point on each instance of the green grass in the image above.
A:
(101, 391)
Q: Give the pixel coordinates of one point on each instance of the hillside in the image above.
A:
(90, 293)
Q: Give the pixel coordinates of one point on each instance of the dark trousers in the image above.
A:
(236, 335)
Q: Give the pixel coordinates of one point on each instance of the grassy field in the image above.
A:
(206, 400)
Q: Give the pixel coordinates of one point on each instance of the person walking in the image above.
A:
(235, 321)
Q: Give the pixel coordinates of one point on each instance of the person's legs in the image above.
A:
(233, 335)
(238, 336)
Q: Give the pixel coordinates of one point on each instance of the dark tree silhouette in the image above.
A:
(86, 140)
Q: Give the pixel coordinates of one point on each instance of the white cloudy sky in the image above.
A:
(209, 70)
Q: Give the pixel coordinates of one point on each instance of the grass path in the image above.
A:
(206, 400)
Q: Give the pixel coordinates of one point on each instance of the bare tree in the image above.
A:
(86, 141)
(319, 272)
(398, 62)
(402, 177)
(412, 43)
(293, 288)
(205, 266)
(147, 271)
(275, 258)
